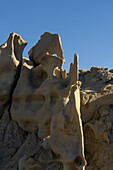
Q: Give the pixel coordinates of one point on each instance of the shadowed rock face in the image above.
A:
(10, 62)
(97, 116)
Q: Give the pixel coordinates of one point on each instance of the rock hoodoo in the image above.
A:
(49, 119)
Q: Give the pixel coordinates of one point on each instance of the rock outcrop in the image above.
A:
(49, 43)
(50, 119)
(10, 63)
(97, 117)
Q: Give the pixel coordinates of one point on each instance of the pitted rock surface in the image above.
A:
(51, 120)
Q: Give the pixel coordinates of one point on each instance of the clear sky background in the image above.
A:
(85, 27)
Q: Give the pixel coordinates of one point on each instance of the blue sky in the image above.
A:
(85, 27)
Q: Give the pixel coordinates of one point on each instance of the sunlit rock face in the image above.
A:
(47, 100)
(48, 43)
(43, 108)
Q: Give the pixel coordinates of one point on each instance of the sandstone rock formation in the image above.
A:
(40, 105)
(50, 103)
(48, 43)
(97, 116)
(10, 63)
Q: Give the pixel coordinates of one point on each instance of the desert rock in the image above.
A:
(48, 43)
(10, 63)
(97, 116)
(50, 119)
(47, 100)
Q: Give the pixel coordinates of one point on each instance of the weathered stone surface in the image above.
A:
(98, 132)
(40, 120)
(96, 90)
(50, 103)
(95, 79)
(96, 100)
(97, 115)
(69, 128)
(11, 139)
(48, 43)
(10, 62)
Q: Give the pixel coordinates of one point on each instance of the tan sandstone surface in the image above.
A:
(50, 119)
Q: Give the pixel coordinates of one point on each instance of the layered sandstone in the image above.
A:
(43, 109)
